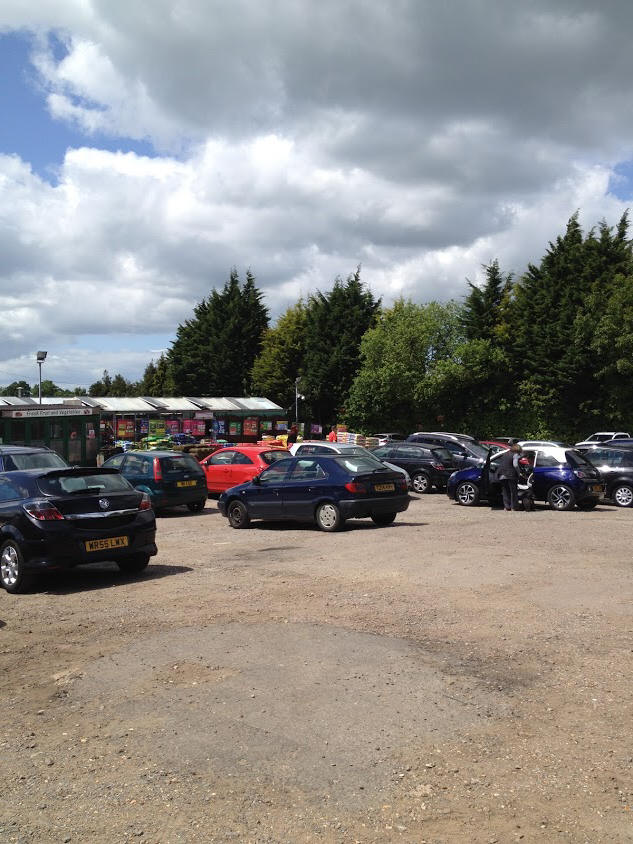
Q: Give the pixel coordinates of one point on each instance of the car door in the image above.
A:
(302, 488)
(264, 497)
(217, 469)
(241, 469)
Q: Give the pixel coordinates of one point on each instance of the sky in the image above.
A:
(147, 148)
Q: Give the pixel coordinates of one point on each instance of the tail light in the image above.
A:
(356, 487)
(579, 473)
(146, 501)
(43, 511)
(158, 472)
(438, 467)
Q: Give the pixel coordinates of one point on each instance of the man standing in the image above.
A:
(508, 474)
(332, 435)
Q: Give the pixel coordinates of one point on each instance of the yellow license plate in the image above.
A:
(104, 544)
(384, 487)
(185, 483)
(597, 488)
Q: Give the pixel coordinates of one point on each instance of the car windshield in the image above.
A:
(35, 460)
(476, 449)
(360, 463)
(178, 463)
(83, 482)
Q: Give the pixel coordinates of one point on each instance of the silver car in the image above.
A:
(325, 447)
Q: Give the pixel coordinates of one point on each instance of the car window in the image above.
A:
(413, 452)
(220, 458)
(359, 464)
(307, 469)
(306, 449)
(134, 465)
(442, 454)
(478, 450)
(241, 458)
(383, 452)
(454, 448)
(83, 482)
(178, 464)
(547, 461)
(10, 489)
(34, 460)
(115, 462)
(271, 456)
(277, 472)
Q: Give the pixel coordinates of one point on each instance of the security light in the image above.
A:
(41, 355)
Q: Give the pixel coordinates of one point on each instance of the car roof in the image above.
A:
(255, 449)
(154, 453)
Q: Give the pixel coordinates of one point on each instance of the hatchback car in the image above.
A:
(319, 488)
(615, 464)
(170, 478)
(14, 457)
(60, 518)
(429, 466)
(231, 466)
(561, 477)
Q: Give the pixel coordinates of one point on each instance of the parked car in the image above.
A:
(170, 478)
(326, 489)
(603, 437)
(428, 466)
(615, 464)
(540, 443)
(14, 457)
(60, 518)
(563, 478)
(324, 447)
(383, 439)
(494, 445)
(234, 465)
(465, 450)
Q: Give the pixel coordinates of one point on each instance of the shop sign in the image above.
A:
(203, 414)
(281, 424)
(251, 426)
(235, 428)
(172, 426)
(125, 429)
(33, 413)
(156, 428)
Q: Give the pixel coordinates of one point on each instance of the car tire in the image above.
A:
(328, 517)
(467, 494)
(383, 519)
(196, 506)
(421, 483)
(561, 497)
(622, 495)
(133, 564)
(587, 504)
(12, 575)
(237, 515)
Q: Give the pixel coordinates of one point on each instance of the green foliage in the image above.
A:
(214, 352)
(15, 387)
(281, 359)
(108, 386)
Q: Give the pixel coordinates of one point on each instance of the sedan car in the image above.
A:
(561, 477)
(319, 488)
(170, 478)
(615, 464)
(429, 466)
(60, 518)
(14, 457)
(231, 466)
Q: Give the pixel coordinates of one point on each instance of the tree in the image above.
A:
(335, 324)
(214, 351)
(14, 388)
(103, 387)
(281, 359)
(482, 308)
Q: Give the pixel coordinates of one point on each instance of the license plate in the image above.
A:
(104, 544)
(186, 483)
(597, 488)
(384, 487)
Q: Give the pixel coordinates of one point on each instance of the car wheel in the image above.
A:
(467, 494)
(134, 563)
(383, 518)
(561, 497)
(238, 515)
(196, 506)
(587, 504)
(328, 517)
(421, 483)
(12, 575)
(622, 495)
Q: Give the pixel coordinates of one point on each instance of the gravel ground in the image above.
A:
(462, 675)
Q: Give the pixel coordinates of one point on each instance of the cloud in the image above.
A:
(415, 138)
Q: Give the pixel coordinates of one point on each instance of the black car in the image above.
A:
(429, 466)
(465, 450)
(170, 478)
(61, 518)
(319, 488)
(14, 457)
(615, 464)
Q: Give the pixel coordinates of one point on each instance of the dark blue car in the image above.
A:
(561, 477)
(319, 488)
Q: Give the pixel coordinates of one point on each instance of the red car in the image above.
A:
(235, 465)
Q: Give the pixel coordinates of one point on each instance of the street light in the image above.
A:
(41, 357)
(297, 397)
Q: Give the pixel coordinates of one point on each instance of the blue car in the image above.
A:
(319, 488)
(561, 477)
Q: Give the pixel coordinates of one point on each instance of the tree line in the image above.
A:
(547, 353)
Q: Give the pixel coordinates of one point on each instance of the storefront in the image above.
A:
(73, 432)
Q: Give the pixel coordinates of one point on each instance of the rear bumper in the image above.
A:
(70, 552)
(363, 508)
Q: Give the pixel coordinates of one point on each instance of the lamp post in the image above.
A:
(41, 357)
(297, 397)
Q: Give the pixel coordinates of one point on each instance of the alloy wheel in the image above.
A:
(560, 498)
(9, 566)
(467, 494)
(623, 496)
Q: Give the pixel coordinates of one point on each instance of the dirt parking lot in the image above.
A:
(462, 675)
